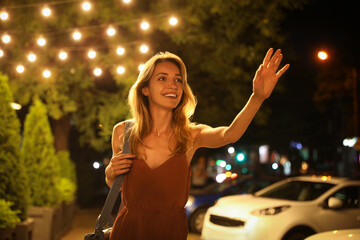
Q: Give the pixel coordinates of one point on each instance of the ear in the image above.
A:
(145, 91)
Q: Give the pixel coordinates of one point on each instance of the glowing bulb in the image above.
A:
(127, 1)
(31, 57)
(15, 106)
(41, 41)
(86, 6)
(141, 67)
(46, 11)
(110, 31)
(144, 48)
(4, 16)
(20, 69)
(96, 165)
(97, 72)
(120, 51)
(63, 55)
(120, 70)
(231, 150)
(144, 25)
(173, 21)
(1, 53)
(46, 73)
(322, 55)
(6, 38)
(91, 54)
(77, 35)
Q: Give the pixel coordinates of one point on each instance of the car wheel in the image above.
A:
(197, 219)
(298, 235)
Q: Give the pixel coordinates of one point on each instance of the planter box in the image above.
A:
(68, 212)
(56, 232)
(43, 222)
(7, 233)
(24, 230)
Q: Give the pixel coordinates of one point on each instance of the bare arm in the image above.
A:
(264, 82)
(119, 163)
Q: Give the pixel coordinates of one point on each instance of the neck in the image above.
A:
(161, 122)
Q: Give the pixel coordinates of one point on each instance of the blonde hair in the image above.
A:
(139, 106)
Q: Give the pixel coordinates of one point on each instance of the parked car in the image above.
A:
(337, 235)
(200, 200)
(291, 209)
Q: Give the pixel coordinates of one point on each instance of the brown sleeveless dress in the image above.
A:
(154, 201)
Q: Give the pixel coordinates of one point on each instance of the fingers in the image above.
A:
(121, 163)
(282, 71)
(267, 57)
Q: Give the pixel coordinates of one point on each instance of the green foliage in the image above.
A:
(67, 177)
(39, 156)
(13, 178)
(8, 217)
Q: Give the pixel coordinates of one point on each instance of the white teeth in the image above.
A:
(170, 95)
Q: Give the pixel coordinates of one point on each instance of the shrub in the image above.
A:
(8, 217)
(67, 183)
(13, 178)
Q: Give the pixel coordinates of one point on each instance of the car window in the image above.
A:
(298, 190)
(350, 196)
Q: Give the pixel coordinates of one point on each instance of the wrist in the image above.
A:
(257, 99)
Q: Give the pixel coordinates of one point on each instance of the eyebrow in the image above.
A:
(164, 73)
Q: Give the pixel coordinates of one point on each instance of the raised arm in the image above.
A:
(264, 82)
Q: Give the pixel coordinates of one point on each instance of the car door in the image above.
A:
(346, 216)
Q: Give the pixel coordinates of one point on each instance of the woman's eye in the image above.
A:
(161, 78)
(179, 80)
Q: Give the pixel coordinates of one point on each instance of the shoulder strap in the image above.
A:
(105, 216)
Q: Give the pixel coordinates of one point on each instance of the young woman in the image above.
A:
(163, 141)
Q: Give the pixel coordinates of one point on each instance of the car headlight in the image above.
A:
(190, 201)
(269, 211)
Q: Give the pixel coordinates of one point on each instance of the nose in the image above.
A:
(172, 84)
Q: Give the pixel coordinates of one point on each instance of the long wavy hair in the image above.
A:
(139, 107)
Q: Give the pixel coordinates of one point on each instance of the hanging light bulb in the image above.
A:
(110, 31)
(173, 21)
(145, 25)
(46, 73)
(86, 6)
(141, 67)
(46, 11)
(63, 55)
(120, 51)
(127, 1)
(91, 54)
(6, 38)
(120, 70)
(4, 16)
(144, 48)
(97, 71)
(41, 41)
(1, 53)
(76, 35)
(31, 57)
(20, 68)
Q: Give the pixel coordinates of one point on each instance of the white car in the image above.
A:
(291, 209)
(337, 235)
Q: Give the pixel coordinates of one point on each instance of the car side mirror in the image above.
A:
(335, 203)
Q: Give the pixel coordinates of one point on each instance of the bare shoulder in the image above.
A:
(118, 137)
(196, 130)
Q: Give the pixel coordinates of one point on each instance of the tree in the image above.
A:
(222, 42)
(39, 156)
(13, 178)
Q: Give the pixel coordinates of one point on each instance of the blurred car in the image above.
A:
(291, 209)
(337, 235)
(200, 200)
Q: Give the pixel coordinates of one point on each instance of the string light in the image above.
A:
(144, 48)
(4, 16)
(91, 54)
(144, 25)
(126, 1)
(77, 35)
(1, 53)
(63, 55)
(41, 41)
(20, 68)
(97, 71)
(173, 21)
(31, 57)
(86, 6)
(6, 38)
(120, 70)
(141, 67)
(46, 73)
(120, 51)
(110, 31)
(46, 11)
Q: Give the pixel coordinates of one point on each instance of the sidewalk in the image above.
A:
(84, 222)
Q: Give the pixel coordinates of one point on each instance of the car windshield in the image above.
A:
(298, 191)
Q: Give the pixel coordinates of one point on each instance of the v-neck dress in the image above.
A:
(154, 201)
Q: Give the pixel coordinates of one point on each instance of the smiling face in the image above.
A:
(165, 87)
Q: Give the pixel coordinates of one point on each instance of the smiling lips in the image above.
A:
(170, 95)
